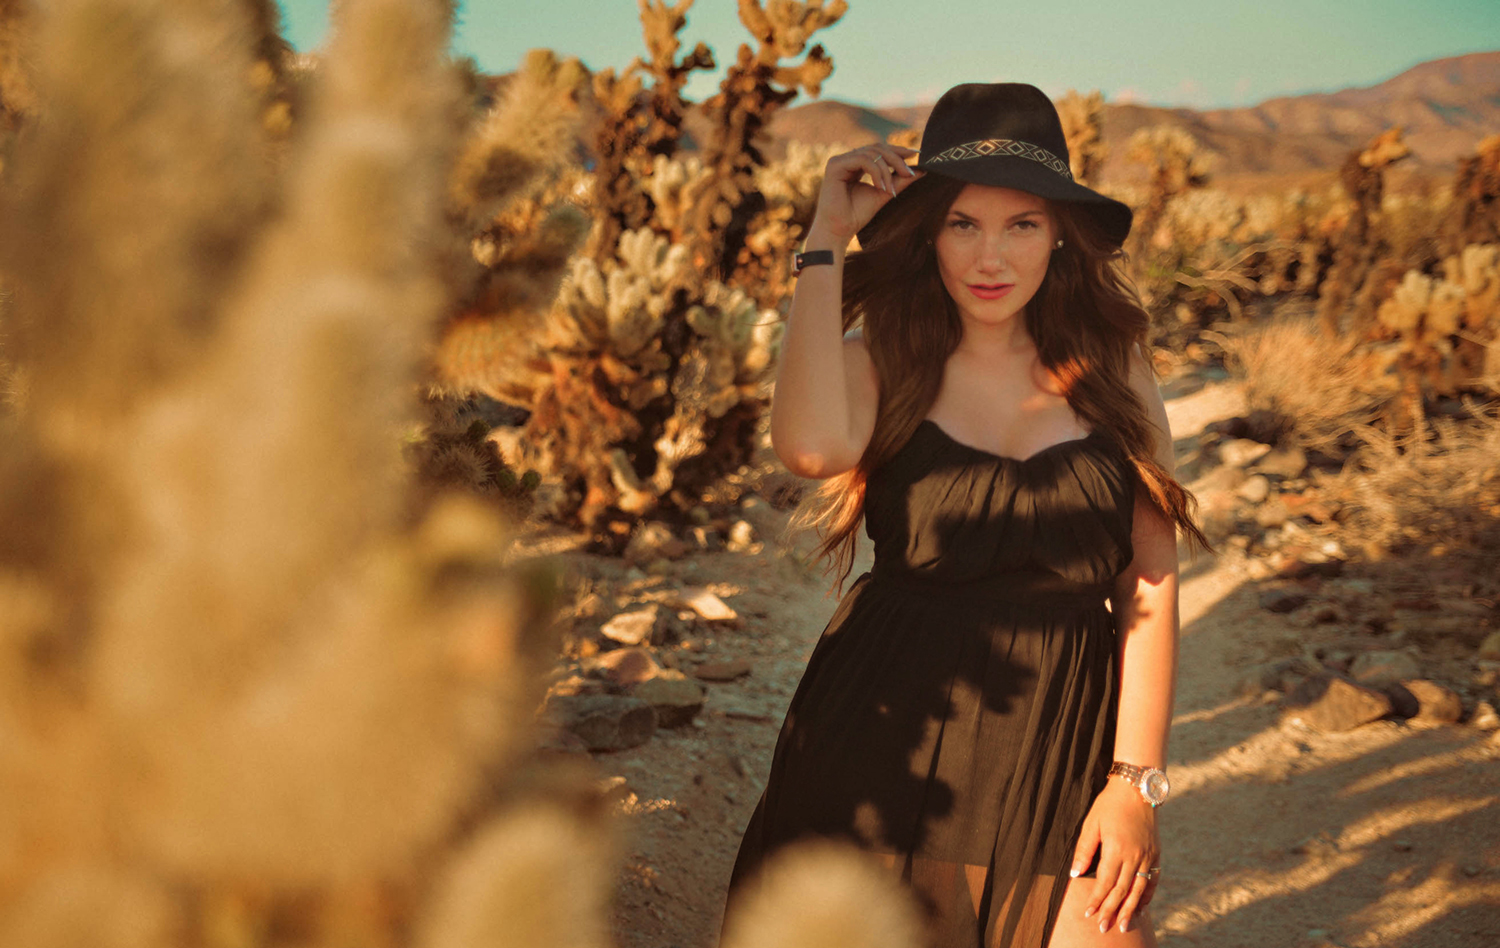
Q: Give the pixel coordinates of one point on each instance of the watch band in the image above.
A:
(1151, 782)
(810, 258)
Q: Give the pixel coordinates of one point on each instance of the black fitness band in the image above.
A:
(810, 258)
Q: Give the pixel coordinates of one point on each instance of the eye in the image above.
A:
(958, 223)
(1028, 224)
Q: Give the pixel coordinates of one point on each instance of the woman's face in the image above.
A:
(992, 250)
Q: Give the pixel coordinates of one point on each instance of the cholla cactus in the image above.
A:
(1360, 245)
(239, 684)
(1476, 191)
(645, 360)
(757, 85)
(1083, 125)
(1446, 330)
(638, 127)
(1175, 163)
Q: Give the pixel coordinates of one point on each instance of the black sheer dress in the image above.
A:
(958, 712)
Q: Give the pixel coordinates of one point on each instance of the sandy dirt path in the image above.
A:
(1388, 835)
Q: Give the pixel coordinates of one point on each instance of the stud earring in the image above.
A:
(1058, 244)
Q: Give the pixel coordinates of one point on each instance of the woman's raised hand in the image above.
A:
(846, 203)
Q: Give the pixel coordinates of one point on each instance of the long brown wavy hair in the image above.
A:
(1084, 319)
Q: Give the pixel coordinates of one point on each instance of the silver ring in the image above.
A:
(881, 160)
(1144, 875)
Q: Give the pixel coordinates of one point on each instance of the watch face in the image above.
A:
(1155, 786)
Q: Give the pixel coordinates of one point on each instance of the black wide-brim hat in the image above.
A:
(1005, 134)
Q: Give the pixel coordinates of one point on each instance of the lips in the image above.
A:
(990, 291)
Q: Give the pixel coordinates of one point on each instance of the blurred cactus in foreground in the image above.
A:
(245, 700)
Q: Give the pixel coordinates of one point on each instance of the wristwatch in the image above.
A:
(1151, 782)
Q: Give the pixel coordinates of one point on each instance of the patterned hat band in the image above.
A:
(1004, 147)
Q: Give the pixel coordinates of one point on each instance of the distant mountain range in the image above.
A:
(1445, 106)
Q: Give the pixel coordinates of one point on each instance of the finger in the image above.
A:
(866, 164)
(1150, 892)
(1104, 882)
(1132, 902)
(895, 159)
(1109, 910)
(1083, 853)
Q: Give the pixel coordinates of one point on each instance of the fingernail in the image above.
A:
(1124, 925)
(1074, 873)
(1087, 912)
(1103, 928)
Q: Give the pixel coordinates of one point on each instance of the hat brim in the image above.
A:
(1023, 174)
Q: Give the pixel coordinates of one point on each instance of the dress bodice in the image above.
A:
(945, 512)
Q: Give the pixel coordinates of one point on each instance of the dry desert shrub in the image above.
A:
(1313, 390)
(1439, 488)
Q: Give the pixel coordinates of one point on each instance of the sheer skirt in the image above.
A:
(966, 757)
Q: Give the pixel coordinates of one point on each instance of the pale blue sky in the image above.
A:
(1198, 53)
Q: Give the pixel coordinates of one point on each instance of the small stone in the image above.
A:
(1471, 870)
(706, 538)
(1285, 463)
(1404, 704)
(741, 535)
(624, 666)
(677, 700)
(705, 604)
(1435, 704)
(1327, 612)
(1255, 489)
(553, 738)
(722, 671)
(1238, 452)
(1282, 600)
(1331, 703)
(1489, 649)
(648, 542)
(574, 685)
(1378, 668)
(1402, 846)
(603, 722)
(636, 627)
(1485, 718)
(1272, 514)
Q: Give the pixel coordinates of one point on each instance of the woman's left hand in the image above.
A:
(1121, 825)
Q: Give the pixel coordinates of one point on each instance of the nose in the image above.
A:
(992, 253)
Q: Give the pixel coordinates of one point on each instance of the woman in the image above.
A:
(987, 710)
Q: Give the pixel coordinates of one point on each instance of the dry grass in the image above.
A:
(1317, 390)
(1439, 489)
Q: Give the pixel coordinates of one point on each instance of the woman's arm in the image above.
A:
(823, 410)
(1146, 611)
